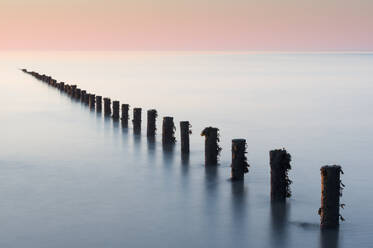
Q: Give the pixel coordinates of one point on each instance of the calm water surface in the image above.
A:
(71, 178)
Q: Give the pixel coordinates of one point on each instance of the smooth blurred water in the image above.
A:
(71, 178)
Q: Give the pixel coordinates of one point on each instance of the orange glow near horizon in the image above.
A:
(186, 25)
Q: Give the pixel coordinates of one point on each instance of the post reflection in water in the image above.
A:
(99, 113)
(185, 157)
(107, 124)
(239, 211)
(137, 142)
(329, 238)
(151, 146)
(125, 124)
(116, 127)
(211, 199)
(279, 224)
(168, 153)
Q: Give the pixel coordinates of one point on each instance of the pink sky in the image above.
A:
(186, 24)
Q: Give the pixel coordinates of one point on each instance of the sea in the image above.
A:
(69, 177)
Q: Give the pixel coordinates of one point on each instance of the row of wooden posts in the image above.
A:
(331, 185)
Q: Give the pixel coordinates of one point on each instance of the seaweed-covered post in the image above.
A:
(98, 103)
(116, 110)
(136, 119)
(184, 136)
(280, 182)
(168, 131)
(92, 101)
(212, 148)
(125, 115)
(331, 190)
(239, 164)
(107, 106)
(151, 128)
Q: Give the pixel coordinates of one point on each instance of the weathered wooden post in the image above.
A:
(239, 164)
(72, 90)
(152, 117)
(331, 190)
(136, 119)
(212, 149)
(77, 93)
(280, 182)
(116, 110)
(92, 101)
(82, 95)
(168, 131)
(125, 115)
(98, 103)
(86, 99)
(62, 86)
(107, 106)
(184, 136)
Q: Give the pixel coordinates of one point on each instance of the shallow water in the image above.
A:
(72, 178)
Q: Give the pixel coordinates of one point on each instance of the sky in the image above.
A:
(284, 25)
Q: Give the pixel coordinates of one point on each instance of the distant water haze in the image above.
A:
(71, 178)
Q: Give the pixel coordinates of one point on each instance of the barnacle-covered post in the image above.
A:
(152, 117)
(98, 103)
(212, 148)
(125, 115)
(137, 119)
(239, 164)
(107, 106)
(168, 130)
(184, 136)
(331, 190)
(116, 110)
(92, 101)
(280, 182)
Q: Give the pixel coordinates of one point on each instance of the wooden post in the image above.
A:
(92, 101)
(152, 117)
(331, 190)
(62, 86)
(82, 95)
(77, 93)
(184, 136)
(136, 119)
(72, 90)
(168, 130)
(98, 103)
(116, 110)
(212, 149)
(125, 115)
(239, 164)
(107, 106)
(280, 182)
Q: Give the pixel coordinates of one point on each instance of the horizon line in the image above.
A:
(187, 50)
